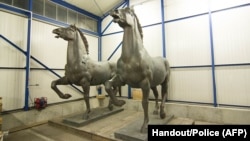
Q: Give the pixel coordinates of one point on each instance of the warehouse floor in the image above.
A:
(102, 129)
(44, 133)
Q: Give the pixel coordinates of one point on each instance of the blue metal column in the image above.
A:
(212, 57)
(99, 89)
(163, 28)
(129, 88)
(26, 105)
(99, 39)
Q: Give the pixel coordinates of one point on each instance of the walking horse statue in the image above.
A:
(80, 69)
(136, 67)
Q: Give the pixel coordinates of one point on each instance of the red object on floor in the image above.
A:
(40, 103)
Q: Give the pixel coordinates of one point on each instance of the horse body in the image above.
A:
(136, 67)
(96, 73)
(80, 69)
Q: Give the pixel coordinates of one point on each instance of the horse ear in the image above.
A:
(73, 26)
(132, 9)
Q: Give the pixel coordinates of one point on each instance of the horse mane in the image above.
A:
(138, 24)
(84, 39)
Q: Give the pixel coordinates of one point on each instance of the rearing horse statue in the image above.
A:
(80, 69)
(136, 67)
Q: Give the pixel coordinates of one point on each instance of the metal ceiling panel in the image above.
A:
(96, 7)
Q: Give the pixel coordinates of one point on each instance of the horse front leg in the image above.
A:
(164, 93)
(110, 106)
(145, 92)
(61, 81)
(86, 99)
(111, 88)
(155, 92)
(145, 110)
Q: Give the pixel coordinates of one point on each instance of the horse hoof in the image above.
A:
(111, 108)
(66, 96)
(163, 115)
(121, 102)
(155, 112)
(144, 130)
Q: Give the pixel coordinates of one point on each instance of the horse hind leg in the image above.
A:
(86, 115)
(155, 92)
(110, 106)
(111, 88)
(164, 93)
(61, 81)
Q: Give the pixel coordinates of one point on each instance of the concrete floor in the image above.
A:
(44, 132)
(101, 130)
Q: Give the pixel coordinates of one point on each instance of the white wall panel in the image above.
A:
(45, 47)
(148, 12)
(233, 85)
(231, 33)
(16, 33)
(152, 40)
(9, 56)
(109, 44)
(175, 9)
(12, 81)
(194, 85)
(188, 42)
(221, 4)
(12, 84)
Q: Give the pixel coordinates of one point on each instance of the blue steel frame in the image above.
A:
(26, 102)
(212, 57)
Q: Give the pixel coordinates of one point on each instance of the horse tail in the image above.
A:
(168, 70)
(120, 90)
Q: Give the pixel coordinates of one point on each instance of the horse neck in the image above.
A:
(132, 42)
(76, 50)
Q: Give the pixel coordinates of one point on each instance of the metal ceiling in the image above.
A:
(96, 7)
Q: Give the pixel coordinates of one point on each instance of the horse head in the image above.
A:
(126, 17)
(70, 34)
(66, 33)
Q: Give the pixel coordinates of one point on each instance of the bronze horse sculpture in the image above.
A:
(136, 67)
(80, 69)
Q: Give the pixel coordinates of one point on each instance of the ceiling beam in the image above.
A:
(115, 7)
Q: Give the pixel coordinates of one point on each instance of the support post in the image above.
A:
(163, 28)
(99, 39)
(26, 102)
(212, 57)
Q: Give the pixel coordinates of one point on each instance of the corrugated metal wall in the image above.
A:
(12, 82)
(232, 46)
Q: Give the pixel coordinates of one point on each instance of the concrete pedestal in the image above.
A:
(131, 132)
(96, 114)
